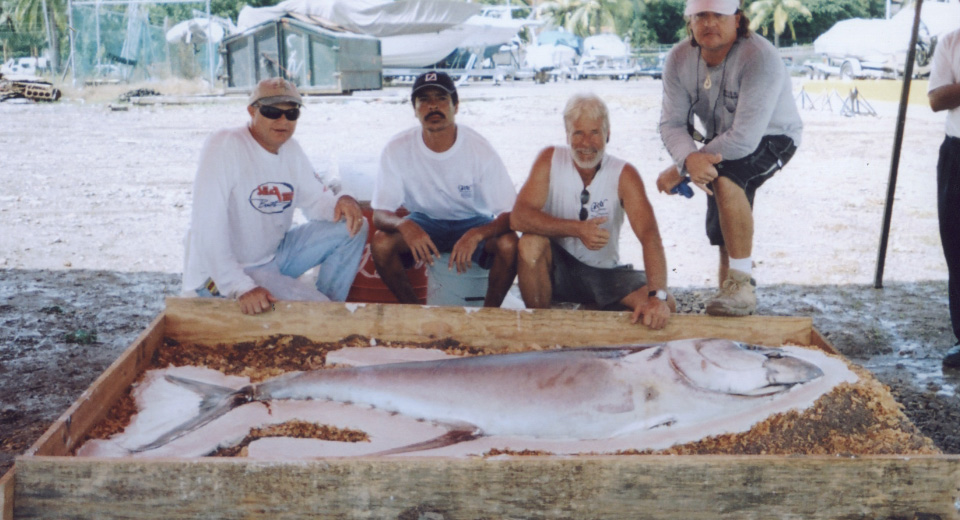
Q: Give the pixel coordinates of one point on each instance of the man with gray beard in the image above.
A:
(570, 211)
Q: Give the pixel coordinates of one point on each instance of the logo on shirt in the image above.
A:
(466, 191)
(599, 208)
(272, 197)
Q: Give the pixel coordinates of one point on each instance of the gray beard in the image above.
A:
(588, 165)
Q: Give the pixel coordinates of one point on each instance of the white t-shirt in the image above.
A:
(563, 201)
(946, 71)
(243, 203)
(463, 182)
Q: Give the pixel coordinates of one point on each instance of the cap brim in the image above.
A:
(433, 85)
(711, 6)
(276, 100)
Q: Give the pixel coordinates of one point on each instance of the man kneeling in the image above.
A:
(570, 211)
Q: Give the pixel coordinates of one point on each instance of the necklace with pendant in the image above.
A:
(707, 83)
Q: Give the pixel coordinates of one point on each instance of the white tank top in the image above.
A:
(563, 201)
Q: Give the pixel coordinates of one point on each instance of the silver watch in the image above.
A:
(661, 294)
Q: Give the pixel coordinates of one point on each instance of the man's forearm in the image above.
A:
(496, 227)
(946, 97)
(655, 265)
(539, 222)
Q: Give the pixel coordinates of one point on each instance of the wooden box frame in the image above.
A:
(48, 483)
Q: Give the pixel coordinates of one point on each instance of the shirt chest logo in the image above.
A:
(466, 191)
(272, 197)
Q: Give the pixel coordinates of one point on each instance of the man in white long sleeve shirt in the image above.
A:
(249, 182)
(736, 84)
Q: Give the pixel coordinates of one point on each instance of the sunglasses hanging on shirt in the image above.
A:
(584, 199)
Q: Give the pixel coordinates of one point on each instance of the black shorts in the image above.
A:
(576, 282)
(749, 173)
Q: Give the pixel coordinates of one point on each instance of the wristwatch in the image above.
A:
(661, 294)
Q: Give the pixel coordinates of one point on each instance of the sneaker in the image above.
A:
(952, 359)
(737, 296)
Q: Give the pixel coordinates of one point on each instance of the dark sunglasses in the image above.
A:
(584, 199)
(274, 113)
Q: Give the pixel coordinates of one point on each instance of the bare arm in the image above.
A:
(655, 311)
(644, 225)
(528, 215)
(417, 240)
(946, 97)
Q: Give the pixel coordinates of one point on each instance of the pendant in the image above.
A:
(707, 83)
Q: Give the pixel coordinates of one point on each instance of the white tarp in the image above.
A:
(877, 40)
(372, 17)
(550, 56)
(412, 33)
(605, 46)
(196, 30)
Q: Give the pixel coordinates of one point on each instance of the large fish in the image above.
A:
(576, 393)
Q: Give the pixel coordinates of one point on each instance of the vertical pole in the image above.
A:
(210, 63)
(97, 11)
(897, 145)
(73, 66)
(46, 26)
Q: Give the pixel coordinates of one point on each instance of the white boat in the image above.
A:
(876, 47)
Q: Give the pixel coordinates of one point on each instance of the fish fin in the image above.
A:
(215, 402)
(448, 439)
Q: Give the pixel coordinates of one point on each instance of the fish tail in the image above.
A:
(215, 402)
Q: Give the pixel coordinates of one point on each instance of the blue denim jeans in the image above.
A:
(327, 244)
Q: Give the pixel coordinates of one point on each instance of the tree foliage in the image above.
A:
(825, 13)
(777, 15)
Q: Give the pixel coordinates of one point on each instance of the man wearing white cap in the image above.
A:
(249, 182)
(736, 84)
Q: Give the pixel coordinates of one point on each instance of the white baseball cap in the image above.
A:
(711, 6)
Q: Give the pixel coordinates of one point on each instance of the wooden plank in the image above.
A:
(817, 340)
(702, 487)
(6, 495)
(94, 403)
(210, 321)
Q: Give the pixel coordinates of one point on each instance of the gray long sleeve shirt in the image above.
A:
(757, 99)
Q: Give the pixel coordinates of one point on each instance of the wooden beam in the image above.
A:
(94, 403)
(700, 487)
(6, 495)
(209, 321)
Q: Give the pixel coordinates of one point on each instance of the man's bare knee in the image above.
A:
(532, 248)
(506, 245)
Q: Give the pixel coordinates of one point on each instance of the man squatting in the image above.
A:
(735, 82)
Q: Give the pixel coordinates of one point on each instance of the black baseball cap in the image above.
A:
(436, 79)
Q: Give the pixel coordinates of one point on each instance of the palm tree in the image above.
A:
(779, 13)
(581, 17)
(48, 16)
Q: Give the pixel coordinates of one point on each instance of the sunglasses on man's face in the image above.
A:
(584, 199)
(274, 113)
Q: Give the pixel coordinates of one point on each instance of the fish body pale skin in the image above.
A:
(585, 393)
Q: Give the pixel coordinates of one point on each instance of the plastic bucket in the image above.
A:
(447, 287)
(368, 287)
